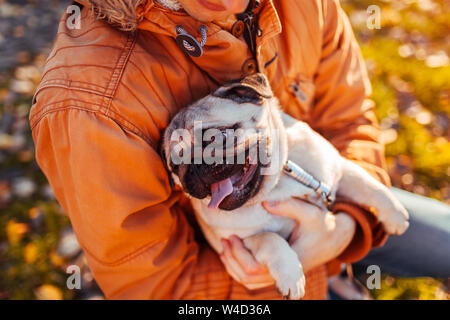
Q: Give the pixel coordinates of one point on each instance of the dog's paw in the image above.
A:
(395, 222)
(291, 283)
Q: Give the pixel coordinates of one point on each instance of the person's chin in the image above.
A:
(202, 14)
(206, 17)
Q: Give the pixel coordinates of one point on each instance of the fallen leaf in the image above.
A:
(48, 292)
(30, 253)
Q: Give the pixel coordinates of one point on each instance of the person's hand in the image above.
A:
(242, 266)
(320, 236)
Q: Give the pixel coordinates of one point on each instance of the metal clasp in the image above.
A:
(295, 171)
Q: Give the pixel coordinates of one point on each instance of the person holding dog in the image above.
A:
(111, 87)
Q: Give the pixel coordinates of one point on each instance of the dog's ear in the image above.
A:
(252, 89)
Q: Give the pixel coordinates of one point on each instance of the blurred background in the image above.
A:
(408, 61)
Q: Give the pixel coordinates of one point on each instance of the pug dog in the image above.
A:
(226, 193)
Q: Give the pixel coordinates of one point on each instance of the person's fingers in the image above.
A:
(293, 208)
(232, 266)
(295, 235)
(259, 285)
(251, 281)
(245, 258)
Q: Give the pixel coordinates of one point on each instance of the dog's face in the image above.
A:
(219, 148)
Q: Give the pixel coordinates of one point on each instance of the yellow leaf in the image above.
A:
(34, 212)
(48, 292)
(15, 231)
(3, 94)
(56, 259)
(30, 253)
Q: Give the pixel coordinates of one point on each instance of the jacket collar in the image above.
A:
(223, 54)
(159, 19)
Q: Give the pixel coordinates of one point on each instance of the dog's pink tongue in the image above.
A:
(219, 191)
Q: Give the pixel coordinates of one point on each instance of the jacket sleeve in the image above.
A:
(115, 190)
(343, 114)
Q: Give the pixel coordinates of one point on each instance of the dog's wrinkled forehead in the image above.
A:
(251, 89)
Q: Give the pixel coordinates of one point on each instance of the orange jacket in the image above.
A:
(106, 95)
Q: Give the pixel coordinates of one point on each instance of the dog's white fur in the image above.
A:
(265, 234)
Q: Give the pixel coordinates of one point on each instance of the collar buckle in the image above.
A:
(298, 173)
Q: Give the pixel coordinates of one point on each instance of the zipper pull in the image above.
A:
(251, 28)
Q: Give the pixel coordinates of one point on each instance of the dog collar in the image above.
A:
(298, 173)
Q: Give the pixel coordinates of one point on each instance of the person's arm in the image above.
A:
(115, 190)
(343, 115)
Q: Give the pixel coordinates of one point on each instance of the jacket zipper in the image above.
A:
(251, 27)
